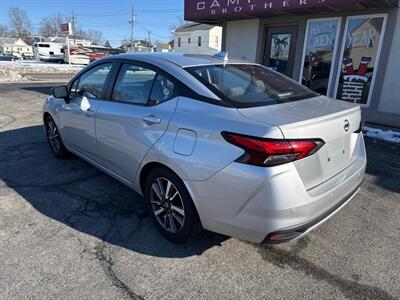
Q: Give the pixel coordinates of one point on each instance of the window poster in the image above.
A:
(360, 59)
(320, 48)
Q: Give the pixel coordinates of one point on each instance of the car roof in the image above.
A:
(179, 59)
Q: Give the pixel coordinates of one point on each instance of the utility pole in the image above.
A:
(132, 22)
(73, 24)
(149, 35)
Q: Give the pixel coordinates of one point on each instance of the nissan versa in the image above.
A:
(228, 146)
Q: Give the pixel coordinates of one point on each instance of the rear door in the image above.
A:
(135, 116)
(78, 117)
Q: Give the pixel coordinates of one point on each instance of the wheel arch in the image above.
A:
(45, 115)
(145, 171)
(148, 167)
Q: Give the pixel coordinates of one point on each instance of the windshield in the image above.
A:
(247, 85)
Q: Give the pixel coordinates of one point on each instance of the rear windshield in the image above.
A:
(247, 85)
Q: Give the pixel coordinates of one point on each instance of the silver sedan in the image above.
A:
(217, 144)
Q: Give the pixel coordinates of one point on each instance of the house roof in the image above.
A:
(163, 45)
(136, 43)
(193, 26)
(7, 40)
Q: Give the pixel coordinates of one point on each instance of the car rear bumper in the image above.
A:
(251, 203)
(298, 232)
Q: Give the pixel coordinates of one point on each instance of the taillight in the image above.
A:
(271, 152)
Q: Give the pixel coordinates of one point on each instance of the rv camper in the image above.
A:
(49, 51)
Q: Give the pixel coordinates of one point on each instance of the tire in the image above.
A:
(176, 216)
(54, 139)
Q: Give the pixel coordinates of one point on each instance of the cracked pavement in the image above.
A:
(68, 230)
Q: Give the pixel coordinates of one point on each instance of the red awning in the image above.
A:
(218, 10)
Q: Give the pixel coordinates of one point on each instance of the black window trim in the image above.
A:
(180, 89)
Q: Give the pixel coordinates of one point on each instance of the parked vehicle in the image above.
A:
(78, 55)
(7, 57)
(49, 51)
(28, 56)
(224, 145)
(96, 55)
(17, 55)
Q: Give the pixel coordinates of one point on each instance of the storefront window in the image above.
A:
(360, 58)
(280, 47)
(319, 53)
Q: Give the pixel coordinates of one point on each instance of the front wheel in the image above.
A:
(170, 206)
(53, 137)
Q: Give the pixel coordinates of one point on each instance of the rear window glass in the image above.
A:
(246, 85)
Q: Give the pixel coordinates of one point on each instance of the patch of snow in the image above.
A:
(15, 70)
(386, 135)
(355, 78)
(11, 75)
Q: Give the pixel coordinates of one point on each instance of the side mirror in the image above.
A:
(60, 92)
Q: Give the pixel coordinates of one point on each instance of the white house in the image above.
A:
(193, 38)
(136, 46)
(15, 46)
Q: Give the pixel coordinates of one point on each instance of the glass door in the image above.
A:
(360, 55)
(280, 49)
(319, 53)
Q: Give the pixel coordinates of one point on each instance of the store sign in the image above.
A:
(208, 9)
(66, 28)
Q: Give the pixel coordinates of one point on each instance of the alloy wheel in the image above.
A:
(167, 205)
(53, 135)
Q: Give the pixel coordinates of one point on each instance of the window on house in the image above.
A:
(189, 40)
(179, 42)
(199, 41)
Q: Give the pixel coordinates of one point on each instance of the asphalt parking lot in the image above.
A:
(68, 230)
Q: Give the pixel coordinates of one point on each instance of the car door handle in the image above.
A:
(89, 113)
(151, 119)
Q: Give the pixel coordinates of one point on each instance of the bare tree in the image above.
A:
(180, 21)
(95, 36)
(19, 22)
(4, 31)
(51, 26)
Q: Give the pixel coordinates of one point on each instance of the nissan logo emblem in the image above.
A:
(346, 125)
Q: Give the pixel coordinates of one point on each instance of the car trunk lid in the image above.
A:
(323, 118)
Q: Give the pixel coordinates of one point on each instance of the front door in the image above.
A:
(280, 49)
(134, 119)
(78, 116)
